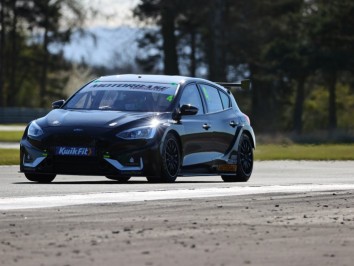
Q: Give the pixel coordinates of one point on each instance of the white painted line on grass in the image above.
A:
(9, 145)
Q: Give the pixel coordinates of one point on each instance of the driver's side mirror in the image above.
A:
(188, 109)
(185, 109)
(58, 104)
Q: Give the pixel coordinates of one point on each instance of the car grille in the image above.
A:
(72, 140)
(81, 165)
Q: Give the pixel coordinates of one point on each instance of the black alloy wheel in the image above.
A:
(171, 161)
(40, 178)
(244, 162)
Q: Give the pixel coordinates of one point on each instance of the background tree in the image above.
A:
(333, 35)
(2, 49)
(163, 13)
(26, 65)
(298, 53)
(286, 47)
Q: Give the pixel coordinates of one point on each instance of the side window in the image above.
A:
(212, 98)
(225, 100)
(190, 95)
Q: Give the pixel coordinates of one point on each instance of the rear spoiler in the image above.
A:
(243, 85)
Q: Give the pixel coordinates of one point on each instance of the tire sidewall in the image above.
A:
(166, 176)
(241, 174)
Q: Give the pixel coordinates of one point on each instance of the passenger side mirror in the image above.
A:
(58, 104)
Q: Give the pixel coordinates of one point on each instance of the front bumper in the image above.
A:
(121, 158)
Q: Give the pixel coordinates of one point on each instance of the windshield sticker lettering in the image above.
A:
(132, 86)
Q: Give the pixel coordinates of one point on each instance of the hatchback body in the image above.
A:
(155, 126)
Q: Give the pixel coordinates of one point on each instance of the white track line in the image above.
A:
(117, 197)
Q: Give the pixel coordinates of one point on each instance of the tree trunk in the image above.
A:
(2, 49)
(193, 63)
(217, 71)
(255, 102)
(169, 40)
(332, 108)
(11, 99)
(43, 81)
(299, 105)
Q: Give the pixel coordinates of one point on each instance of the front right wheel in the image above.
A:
(121, 179)
(40, 178)
(171, 161)
(244, 162)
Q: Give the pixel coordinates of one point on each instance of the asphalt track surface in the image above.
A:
(289, 213)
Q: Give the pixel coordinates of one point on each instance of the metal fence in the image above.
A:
(15, 115)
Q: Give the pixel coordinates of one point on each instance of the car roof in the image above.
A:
(150, 78)
(157, 79)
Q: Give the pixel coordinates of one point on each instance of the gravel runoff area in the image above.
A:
(314, 228)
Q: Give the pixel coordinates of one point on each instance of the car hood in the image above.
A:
(92, 118)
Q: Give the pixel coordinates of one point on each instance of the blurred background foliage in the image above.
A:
(298, 54)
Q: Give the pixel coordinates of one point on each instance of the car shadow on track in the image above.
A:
(114, 183)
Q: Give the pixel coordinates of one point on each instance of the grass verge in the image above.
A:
(10, 136)
(335, 152)
(304, 152)
(9, 156)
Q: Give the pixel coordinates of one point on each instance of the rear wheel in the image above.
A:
(171, 161)
(244, 162)
(122, 179)
(40, 178)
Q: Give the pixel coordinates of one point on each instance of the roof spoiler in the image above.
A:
(243, 85)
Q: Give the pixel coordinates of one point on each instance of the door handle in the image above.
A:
(206, 126)
(233, 124)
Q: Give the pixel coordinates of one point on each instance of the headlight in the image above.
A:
(138, 133)
(34, 130)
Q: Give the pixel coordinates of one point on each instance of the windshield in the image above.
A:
(124, 96)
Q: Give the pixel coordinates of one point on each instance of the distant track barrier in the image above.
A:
(16, 115)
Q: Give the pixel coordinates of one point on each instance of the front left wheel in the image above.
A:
(171, 161)
(40, 178)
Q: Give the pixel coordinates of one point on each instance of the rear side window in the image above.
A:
(212, 98)
(225, 100)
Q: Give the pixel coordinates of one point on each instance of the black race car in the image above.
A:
(156, 126)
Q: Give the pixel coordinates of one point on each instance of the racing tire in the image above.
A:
(170, 161)
(40, 178)
(121, 179)
(244, 162)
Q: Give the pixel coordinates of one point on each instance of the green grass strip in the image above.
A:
(10, 136)
(305, 152)
(335, 152)
(9, 156)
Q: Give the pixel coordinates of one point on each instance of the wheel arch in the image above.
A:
(179, 141)
(249, 132)
(178, 138)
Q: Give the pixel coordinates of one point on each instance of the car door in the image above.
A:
(195, 138)
(222, 119)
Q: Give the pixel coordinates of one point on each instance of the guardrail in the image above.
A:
(15, 115)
